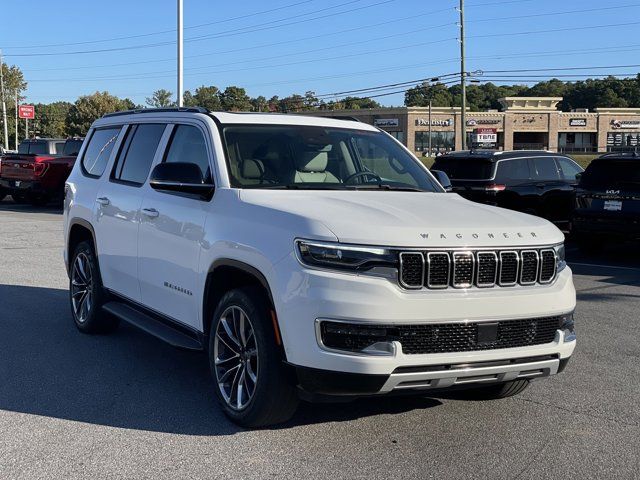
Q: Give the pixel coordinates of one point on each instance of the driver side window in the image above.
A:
(187, 144)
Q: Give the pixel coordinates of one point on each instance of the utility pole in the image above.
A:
(180, 41)
(430, 99)
(463, 119)
(4, 106)
(16, 120)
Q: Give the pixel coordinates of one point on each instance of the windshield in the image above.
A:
(469, 168)
(273, 156)
(611, 172)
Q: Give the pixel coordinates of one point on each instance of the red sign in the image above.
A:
(26, 111)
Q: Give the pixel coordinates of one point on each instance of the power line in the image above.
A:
(533, 15)
(242, 31)
(160, 32)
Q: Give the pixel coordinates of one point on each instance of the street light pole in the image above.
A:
(430, 98)
(463, 86)
(180, 42)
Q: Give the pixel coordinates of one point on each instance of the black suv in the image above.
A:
(536, 182)
(608, 200)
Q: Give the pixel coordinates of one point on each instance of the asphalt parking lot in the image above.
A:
(126, 405)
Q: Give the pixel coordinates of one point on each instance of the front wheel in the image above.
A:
(252, 385)
(87, 294)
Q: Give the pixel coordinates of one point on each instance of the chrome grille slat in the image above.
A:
(481, 268)
(438, 270)
(463, 265)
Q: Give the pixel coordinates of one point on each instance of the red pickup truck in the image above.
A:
(37, 173)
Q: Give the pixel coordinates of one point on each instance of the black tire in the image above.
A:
(496, 391)
(88, 316)
(274, 398)
(18, 197)
(38, 200)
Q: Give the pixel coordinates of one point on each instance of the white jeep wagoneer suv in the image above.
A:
(309, 258)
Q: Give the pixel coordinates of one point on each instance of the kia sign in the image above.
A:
(26, 111)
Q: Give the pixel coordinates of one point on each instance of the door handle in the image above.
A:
(150, 212)
(104, 201)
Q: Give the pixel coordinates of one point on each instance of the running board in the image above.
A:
(149, 324)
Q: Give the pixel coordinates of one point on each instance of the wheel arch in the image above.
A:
(226, 274)
(80, 230)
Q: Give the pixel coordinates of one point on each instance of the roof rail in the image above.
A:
(157, 110)
(620, 154)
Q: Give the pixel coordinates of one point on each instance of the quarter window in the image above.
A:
(188, 145)
(513, 170)
(138, 152)
(98, 151)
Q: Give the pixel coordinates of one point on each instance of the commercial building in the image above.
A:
(522, 123)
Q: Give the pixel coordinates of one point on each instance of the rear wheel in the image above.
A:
(496, 391)
(87, 294)
(252, 385)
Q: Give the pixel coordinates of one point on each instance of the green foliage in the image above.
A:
(91, 107)
(235, 99)
(160, 99)
(51, 119)
(14, 83)
(207, 97)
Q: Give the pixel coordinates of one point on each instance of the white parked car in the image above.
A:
(310, 258)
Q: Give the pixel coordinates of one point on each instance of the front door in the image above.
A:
(172, 233)
(117, 214)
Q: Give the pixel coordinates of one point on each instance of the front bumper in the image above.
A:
(303, 296)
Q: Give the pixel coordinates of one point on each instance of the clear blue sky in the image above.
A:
(321, 45)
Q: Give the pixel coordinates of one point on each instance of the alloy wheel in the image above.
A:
(81, 288)
(236, 358)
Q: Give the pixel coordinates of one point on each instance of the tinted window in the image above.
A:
(99, 150)
(544, 168)
(612, 172)
(33, 148)
(188, 145)
(138, 152)
(72, 147)
(23, 148)
(513, 170)
(59, 147)
(469, 168)
(568, 169)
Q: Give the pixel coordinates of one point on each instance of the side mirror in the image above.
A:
(180, 177)
(579, 176)
(443, 179)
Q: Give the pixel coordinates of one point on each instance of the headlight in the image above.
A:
(561, 262)
(338, 256)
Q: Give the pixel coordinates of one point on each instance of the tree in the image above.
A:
(51, 118)
(235, 99)
(420, 94)
(88, 108)
(160, 98)
(14, 84)
(259, 104)
(206, 97)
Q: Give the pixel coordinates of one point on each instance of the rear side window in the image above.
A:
(468, 168)
(59, 147)
(99, 150)
(33, 148)
(138, 152)
(513, 170)
(544, 168)
(188, 145)
(568, 169)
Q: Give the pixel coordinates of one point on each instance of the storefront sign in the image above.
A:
(386, 122)
(472, 122)
(577, 122)
(625, 124)
(485, 136)
(424, 122)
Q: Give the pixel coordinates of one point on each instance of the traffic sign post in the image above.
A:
(27, 112)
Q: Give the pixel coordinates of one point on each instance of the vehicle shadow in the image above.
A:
(127, 379)
(10, 206)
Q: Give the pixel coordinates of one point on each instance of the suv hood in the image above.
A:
(408, 219)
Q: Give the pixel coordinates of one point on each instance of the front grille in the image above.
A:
(483, 268)
(442, 337)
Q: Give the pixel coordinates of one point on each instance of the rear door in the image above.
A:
(519, 192)
(117, 214)
(172, 232)
(549, 196)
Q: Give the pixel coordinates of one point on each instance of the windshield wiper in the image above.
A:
(386, 186)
